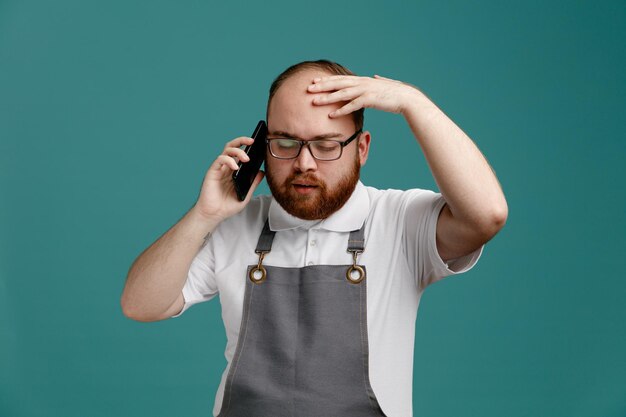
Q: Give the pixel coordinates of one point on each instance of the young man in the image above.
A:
(320, 282)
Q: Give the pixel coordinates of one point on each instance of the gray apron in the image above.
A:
(302, 349)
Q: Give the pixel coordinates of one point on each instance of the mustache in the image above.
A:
(305, 177)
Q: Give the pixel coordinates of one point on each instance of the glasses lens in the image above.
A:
(325, 149)
(284, 148)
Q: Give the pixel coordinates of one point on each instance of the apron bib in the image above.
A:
(302, 349)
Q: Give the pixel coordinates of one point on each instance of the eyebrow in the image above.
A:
(331, 135)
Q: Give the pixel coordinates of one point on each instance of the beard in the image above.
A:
(321, 203)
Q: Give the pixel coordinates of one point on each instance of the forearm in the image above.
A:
(461, 172)
(157, 276)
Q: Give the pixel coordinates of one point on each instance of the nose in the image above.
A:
(305, 161)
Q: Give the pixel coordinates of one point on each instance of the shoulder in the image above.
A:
(251, 218)
(394, 200)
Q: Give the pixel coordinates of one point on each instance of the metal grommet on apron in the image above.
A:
(303, 345)
(258, 273)
(260, 269)
(356, 244)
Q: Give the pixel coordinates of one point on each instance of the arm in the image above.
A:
(476, 208)
(155, 281)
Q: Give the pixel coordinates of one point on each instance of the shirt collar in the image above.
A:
(348, 218)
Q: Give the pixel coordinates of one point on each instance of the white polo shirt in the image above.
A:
(400, 256)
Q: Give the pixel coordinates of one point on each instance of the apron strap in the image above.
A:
(258, 274)
(356, 241)
(264, 244)
(356, 245)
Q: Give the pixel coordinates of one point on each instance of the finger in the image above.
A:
(255, 183)
(237, 153)
(237, 142)
(225, 160)
(334, 84)
(344, 94)
(331, 77)
(353, 106)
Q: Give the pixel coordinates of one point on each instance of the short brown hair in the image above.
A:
(321, 64)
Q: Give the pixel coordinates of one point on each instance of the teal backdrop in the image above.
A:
(112, 111)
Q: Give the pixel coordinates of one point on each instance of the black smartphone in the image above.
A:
(244, 176)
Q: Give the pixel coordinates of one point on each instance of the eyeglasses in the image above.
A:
(322, 150)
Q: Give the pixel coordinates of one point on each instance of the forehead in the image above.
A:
(291, 109)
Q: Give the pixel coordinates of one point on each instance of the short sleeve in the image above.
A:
(200, 285)
(420, 235)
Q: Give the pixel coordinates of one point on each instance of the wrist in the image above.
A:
(418, 107)
(204, 221)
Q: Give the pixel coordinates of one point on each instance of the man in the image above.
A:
(320, 282)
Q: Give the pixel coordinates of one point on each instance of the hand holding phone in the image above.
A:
(247, 171)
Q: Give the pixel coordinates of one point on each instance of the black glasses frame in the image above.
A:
(302, 143)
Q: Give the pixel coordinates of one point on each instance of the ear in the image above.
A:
(364, 146)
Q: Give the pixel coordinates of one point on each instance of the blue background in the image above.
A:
(111, 112)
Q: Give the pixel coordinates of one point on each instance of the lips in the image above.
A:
(305, 182)
(304, 187)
